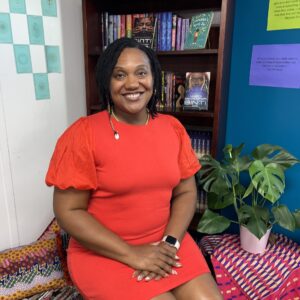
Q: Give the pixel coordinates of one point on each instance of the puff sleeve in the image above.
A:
(187, 160)
(72, 163)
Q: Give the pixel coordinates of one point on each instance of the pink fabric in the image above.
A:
(242, 275)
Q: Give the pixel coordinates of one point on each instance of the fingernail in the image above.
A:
(178, 264)
(174, 272)
(140, 277)
(147, 278)
(176, 257)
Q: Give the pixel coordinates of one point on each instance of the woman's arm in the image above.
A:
(183, 207)
(70, 208)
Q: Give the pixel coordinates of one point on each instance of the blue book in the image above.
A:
(169, 31)
(164, 31)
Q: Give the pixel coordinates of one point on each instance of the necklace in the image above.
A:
(116, 133)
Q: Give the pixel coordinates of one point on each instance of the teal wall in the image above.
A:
(259, 115)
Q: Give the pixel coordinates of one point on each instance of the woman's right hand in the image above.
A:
(153, 261)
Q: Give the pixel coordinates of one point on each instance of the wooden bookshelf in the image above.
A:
(215, 59)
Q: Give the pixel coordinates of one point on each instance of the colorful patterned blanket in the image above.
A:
(241, 275)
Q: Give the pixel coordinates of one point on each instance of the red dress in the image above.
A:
(131, 181)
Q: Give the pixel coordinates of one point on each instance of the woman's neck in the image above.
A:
(138, 119)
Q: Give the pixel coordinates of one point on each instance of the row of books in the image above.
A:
(189, 90)
(201, 201)
(201, 142)
(163, 31)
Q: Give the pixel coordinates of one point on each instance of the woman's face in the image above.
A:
(131, 84)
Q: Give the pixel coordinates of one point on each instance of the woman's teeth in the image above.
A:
(132, 96)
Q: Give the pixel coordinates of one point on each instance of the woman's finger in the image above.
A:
(142, 275)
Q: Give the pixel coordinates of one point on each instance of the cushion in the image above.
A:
(62, 239)
(31, 269)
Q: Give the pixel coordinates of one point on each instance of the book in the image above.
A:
(198, 31)
(196, 91)
(179, 90)
(143, 30)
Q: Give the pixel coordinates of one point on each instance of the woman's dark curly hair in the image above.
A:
(107, 62)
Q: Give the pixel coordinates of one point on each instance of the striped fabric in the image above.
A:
(274, 275)
(30, 269)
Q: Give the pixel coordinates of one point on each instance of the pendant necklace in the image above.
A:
(116, 133)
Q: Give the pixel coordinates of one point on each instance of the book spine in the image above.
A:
(118, 26)
(123, 26)
(182, 40)
(129, 26)
(187, 29)
(164, 31)
(178, 33)
(174, 25)
(106, 30)
(154, 39)
(169, 31)
(115, 27)
(110, 29)
(159, 31)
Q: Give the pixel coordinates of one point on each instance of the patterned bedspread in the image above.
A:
(242, 275)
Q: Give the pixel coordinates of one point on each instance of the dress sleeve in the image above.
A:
(72, 163)
(188, 162)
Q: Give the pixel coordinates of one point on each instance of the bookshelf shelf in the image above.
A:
(188, 52)
(96, 51)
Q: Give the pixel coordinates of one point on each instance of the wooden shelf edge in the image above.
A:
(96, 51)
(177, 112)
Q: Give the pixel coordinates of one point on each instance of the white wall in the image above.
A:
(29, 128)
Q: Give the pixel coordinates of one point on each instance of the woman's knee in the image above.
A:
(164, 296)
(202, 287)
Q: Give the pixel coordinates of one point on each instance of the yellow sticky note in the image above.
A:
(283, 14)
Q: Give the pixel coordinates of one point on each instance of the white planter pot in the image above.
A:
(251, 243)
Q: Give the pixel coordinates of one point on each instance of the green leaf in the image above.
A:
(296, 215)
(255, 218)
(215, 201)
(276, 154)
(284, 217)
(285, 159)
(264, 150)
(269, 180)
(214, 177)
(212, 223)
(248, 191)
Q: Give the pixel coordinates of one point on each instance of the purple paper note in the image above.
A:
(275, 65)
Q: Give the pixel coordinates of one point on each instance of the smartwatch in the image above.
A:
(170, 240)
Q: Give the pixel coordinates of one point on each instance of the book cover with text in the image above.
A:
(196, 91)
(198, 31)
(143, 30)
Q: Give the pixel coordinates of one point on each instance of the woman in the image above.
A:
(125, 190)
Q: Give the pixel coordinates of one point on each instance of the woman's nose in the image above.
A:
(132, 82)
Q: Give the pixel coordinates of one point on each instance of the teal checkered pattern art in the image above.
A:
(34, 52)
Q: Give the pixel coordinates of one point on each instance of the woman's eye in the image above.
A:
(119, 76)
(142, 73)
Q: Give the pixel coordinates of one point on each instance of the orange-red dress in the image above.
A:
(131, 181)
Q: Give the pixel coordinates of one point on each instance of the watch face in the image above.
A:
(171, 240)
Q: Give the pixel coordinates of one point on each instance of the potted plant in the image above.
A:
(252, 185)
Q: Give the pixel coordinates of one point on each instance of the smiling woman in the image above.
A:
(125, 189)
